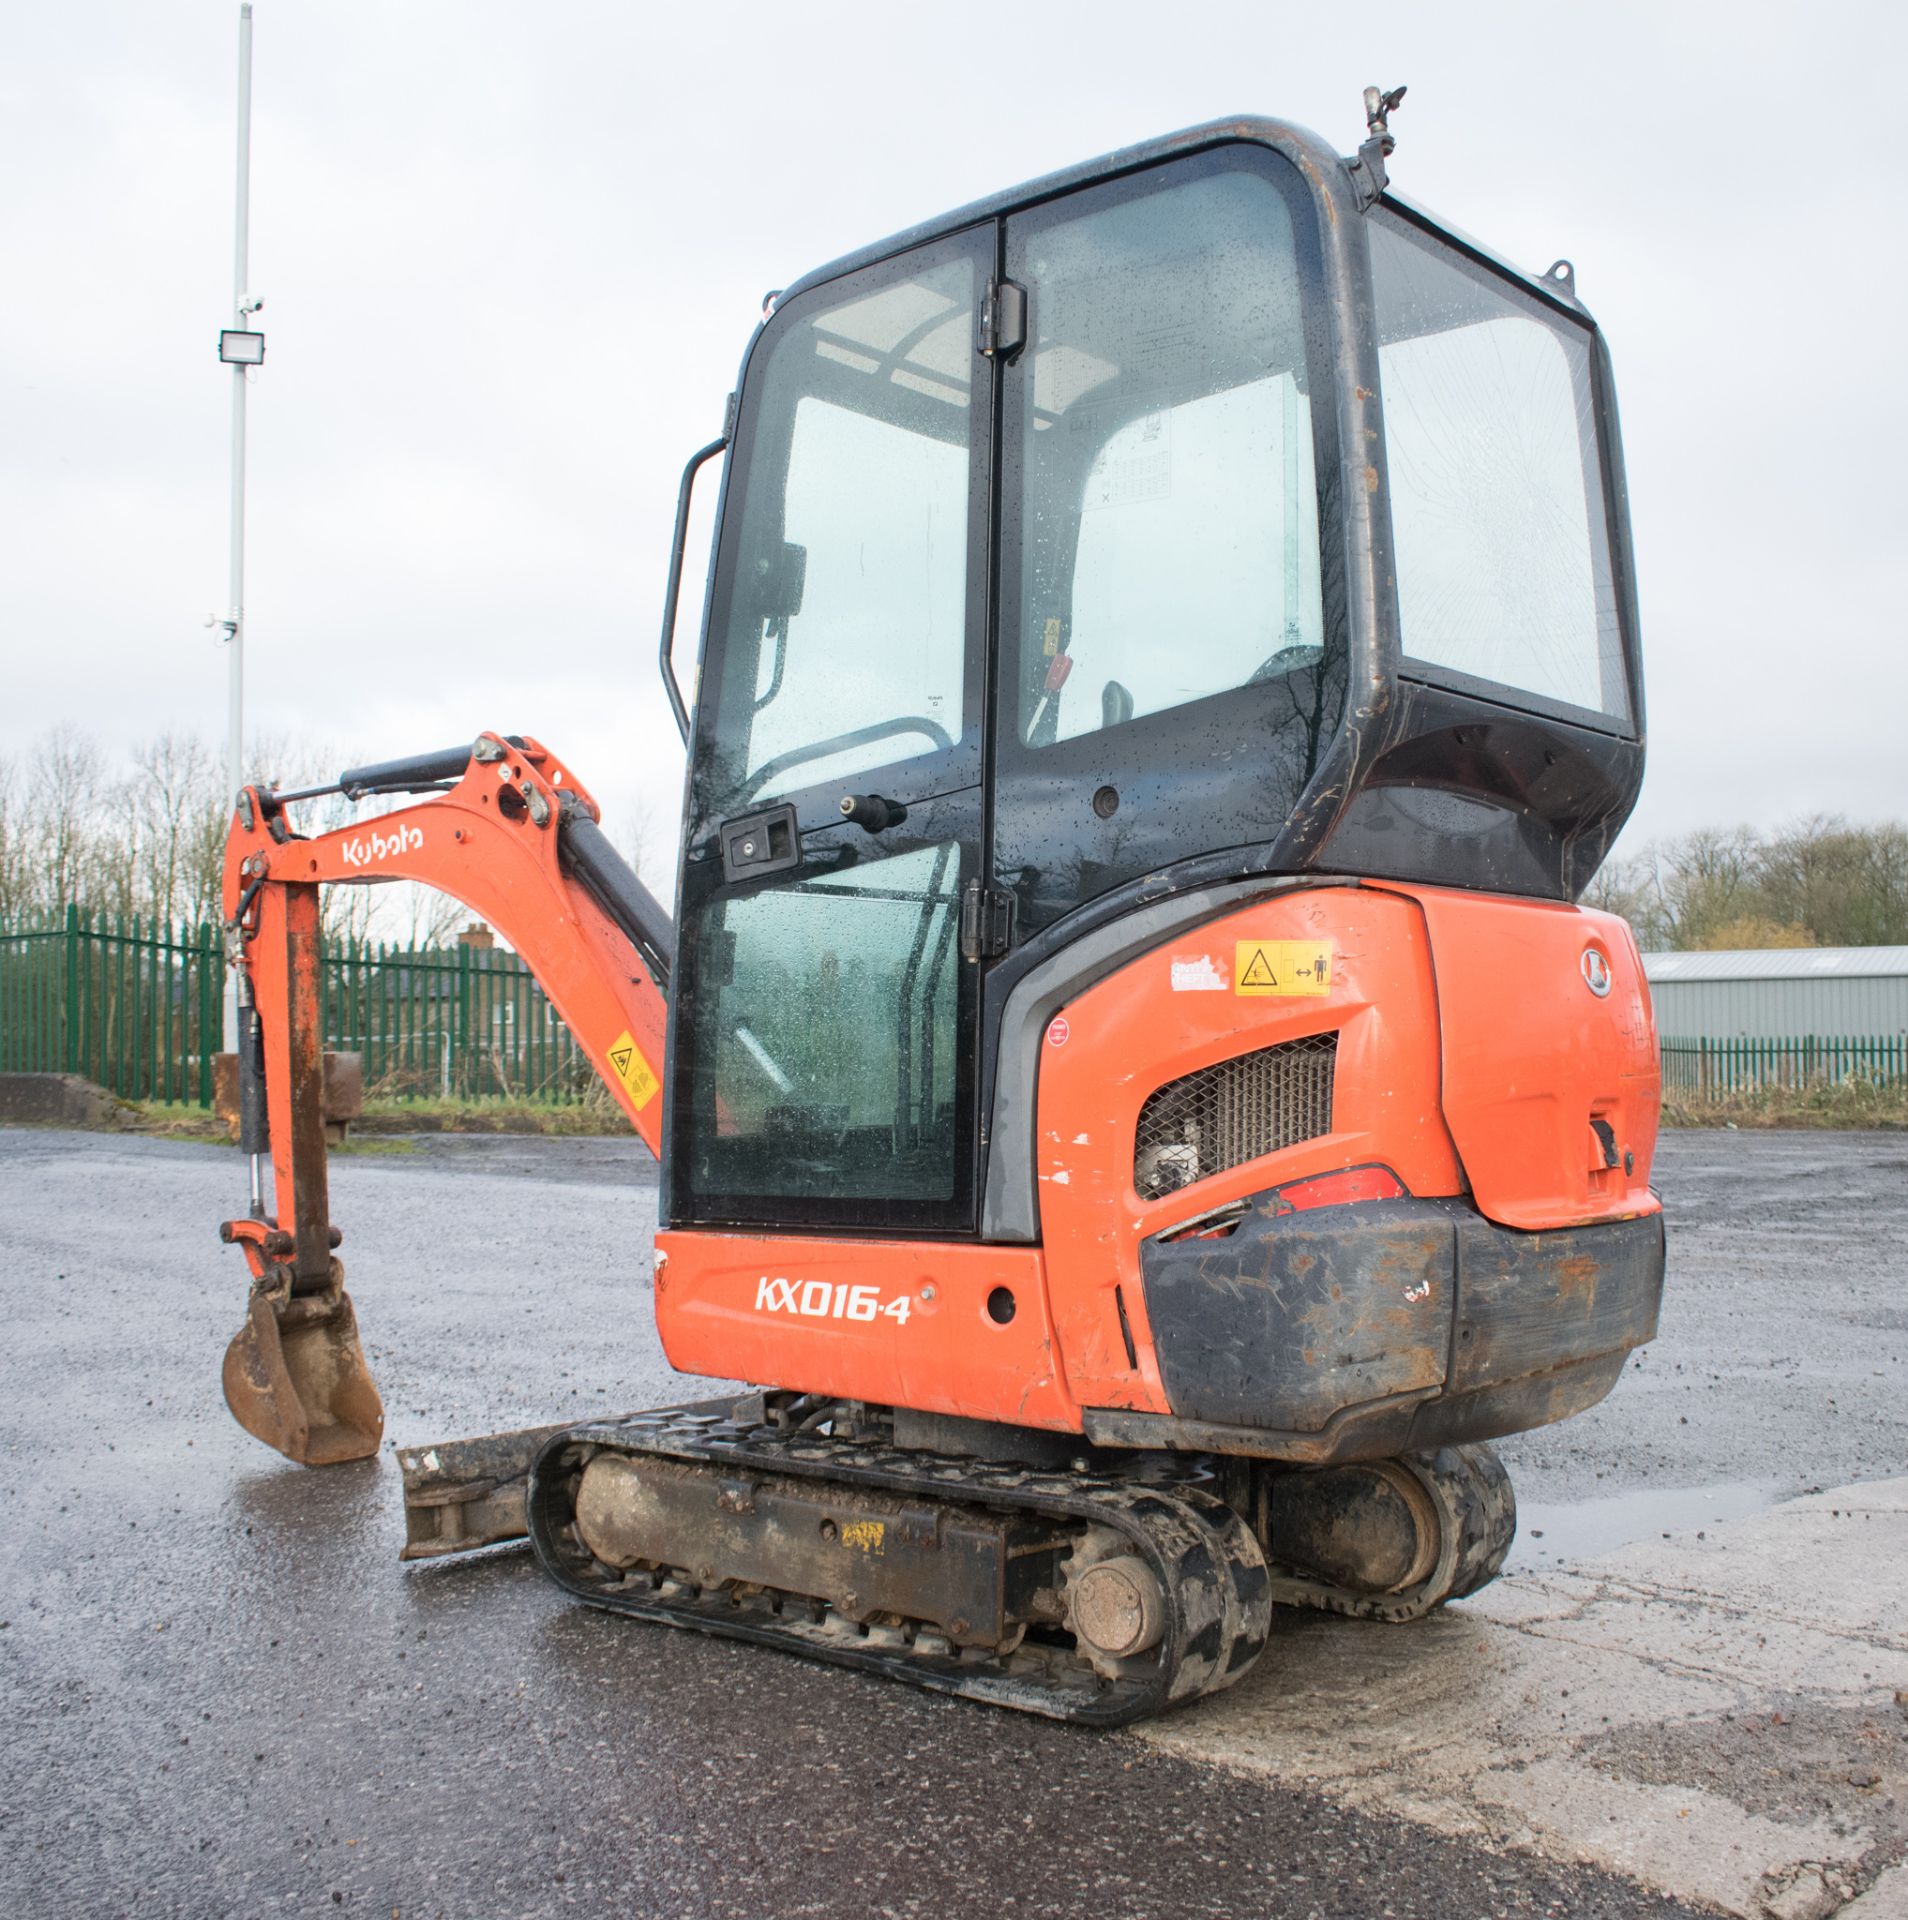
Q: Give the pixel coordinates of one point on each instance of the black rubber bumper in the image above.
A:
(1354, 1332)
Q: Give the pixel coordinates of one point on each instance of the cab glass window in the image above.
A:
(1168, 492)
(843, 641)
(1500, 535)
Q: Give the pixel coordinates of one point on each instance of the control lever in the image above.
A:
(872, 813)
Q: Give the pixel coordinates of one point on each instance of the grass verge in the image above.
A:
(174, 1120)
(1850, 1103)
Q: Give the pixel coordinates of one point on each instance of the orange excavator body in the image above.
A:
(909, 1323)
(1200, 1089)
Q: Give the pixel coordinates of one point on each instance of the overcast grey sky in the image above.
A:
(511, 254)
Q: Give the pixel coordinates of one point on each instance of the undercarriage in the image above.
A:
(1091, 1586)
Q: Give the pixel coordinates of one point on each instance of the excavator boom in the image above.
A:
(510, 832)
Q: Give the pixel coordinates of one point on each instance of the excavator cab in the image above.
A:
(1129, 1073)
(1181, 518)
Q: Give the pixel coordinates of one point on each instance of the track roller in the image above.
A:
(1084, 1597)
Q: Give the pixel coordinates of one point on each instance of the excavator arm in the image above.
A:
(508, 830)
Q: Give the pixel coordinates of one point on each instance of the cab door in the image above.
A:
(1172, 659)
(822, 1026)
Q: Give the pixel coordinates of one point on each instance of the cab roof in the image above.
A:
(1299, 144)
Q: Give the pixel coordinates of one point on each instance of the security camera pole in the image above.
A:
(240, 347)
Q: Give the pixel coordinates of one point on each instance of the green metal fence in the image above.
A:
(130, 1003)
(1707, 1069)
(136, 1006)
(454, 1022)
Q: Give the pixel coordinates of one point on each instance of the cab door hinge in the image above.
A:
(987, 921)
(1003, 319)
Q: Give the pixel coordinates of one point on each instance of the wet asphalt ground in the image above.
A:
(223, 1695)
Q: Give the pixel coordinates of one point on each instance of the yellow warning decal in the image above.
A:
(636, 1074)
(1050, 644)
(1282, 967)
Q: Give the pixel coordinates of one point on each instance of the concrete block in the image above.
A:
(54, 1100)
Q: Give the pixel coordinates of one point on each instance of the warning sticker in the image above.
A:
(1282, 967)
(633, 1070)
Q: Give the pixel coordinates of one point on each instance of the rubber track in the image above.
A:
(1209, 1564)
(1472, 1493)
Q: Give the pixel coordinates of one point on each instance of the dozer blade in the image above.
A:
(463, 1494)
(460, 1495)
(295, 1376)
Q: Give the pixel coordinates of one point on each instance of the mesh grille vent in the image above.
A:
(1232, 1112)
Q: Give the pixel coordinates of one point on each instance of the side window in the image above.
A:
(845, 638)
(1497, 516)
(1168, 502)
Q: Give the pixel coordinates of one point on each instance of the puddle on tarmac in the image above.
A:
(1562, 1536)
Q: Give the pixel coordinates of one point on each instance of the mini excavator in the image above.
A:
(1129, 1071)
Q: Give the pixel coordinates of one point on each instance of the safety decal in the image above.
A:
(1058, 1031)
(1282, 967)
(633, 1070)
(1199, 973)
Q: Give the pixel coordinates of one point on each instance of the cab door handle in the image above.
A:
(871, 812)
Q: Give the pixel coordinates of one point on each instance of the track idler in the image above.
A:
(1391, 1539)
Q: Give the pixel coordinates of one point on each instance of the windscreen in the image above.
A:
(1498, 520)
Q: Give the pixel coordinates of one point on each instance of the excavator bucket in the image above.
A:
(296, 1377)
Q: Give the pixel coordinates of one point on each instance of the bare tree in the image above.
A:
(178, 809)
(1631, 889)
(1847, 884)
(630, 823)
(15, 877)
(75, 850)
(1705, 879)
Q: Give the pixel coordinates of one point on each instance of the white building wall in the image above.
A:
(1781, 1009)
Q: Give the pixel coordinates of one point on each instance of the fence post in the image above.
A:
(460, 1018)
(70, 953)
(209, 972)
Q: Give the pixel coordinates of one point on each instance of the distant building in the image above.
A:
(1789, 993)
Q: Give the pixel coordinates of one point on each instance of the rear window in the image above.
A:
(1497, 510)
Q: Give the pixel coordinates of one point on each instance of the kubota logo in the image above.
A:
(362, 849)
(1596, 971)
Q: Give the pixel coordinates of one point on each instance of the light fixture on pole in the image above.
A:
(240, 347)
